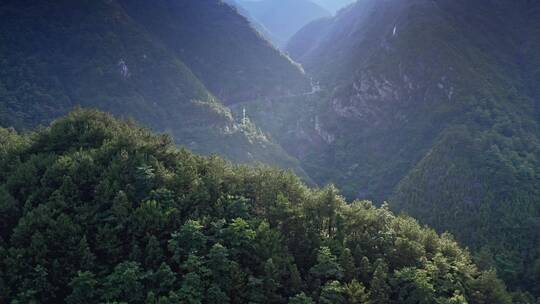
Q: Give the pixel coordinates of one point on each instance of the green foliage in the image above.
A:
(83, 287)
(189, 240)
(301, 299)
(488, 289)
(124, 284)
(141, 60)
(327, 267)
(437, 113)
(191, 291)
(192, 229)
(379, 287)
(414, 286)
(346, 262)
(162, 280)
(356, 293)
(332, 293)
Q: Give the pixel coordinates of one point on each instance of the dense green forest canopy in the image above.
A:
(96, 210)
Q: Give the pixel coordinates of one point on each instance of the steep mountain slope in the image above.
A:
(220, 47)
(254, 23)
(433, 105)
(283, 18)
(54, 56)
(95, 210)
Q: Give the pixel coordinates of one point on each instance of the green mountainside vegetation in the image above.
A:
(427, 108)
(103, 54)
(96, 210)
(433, 106)
(220, 47)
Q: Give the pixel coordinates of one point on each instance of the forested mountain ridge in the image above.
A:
(434, 106)
(254, 23)
(99, 210)
(431, 104)
(220, 47)
(103, 54)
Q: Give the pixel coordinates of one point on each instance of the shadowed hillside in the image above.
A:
(105, 54)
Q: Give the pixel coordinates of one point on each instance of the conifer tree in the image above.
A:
(191, 291)
(346, 262)
(83, 288)
(379, 287)
(162, 280)
(332, 293)
(327, 267)
(301, 298)
(356, 293)
(124, 284)
(295, 279)
(364, 270)
(86, 257)
(153, 253)
(271, 282)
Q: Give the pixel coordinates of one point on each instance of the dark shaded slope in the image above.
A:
(220, 47)
(254, 23)
(433, 104)
(55, 56)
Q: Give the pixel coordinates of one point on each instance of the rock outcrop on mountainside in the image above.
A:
(434, 106)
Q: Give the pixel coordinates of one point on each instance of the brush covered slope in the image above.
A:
(57, 55)
(96, 210)
(433, 105)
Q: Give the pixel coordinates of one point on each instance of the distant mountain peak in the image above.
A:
(281, 19)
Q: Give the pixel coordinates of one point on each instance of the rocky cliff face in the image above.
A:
(414, 66)
(434, 105)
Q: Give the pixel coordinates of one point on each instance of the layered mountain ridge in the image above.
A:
(281, 18)
(434, 106)
(223, 50)
(169, 65)
(334, 5)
